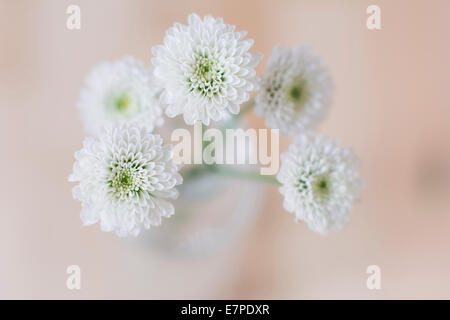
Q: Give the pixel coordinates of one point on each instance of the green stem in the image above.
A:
(246, 107)
(198, 170)
(244, 174)
(225, 171)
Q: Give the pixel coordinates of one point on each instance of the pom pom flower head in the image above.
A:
(126, 177)
(205, 68)
(295, 90)
(319, 182)
(119, 92)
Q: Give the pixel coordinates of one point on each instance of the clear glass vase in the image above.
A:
(211, 212)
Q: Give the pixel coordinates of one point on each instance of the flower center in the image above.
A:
(321, 187)
(207, 76)
(126, 180)
(123, 102)
(204, 69)
(297, 92)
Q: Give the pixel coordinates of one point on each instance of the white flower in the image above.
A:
(119, 92)
(126, 175)
(205, 69)
(295, 90)
(320, 182)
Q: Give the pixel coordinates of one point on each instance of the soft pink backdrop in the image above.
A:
(391, 105)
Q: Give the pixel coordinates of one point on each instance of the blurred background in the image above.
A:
(391, 105)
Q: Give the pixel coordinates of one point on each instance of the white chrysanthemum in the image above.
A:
(320, 182)
(119, 92)
(126, 177)
(205, 69)
(295, 91)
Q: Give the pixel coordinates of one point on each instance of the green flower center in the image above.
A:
(297, 92)
(322, 187)
(126, 181)
(123, 102)
(207, 76)
(204, 69)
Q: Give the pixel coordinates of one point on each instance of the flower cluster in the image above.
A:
(205, 71)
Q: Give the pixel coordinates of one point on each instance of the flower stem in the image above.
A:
(226, 171)
(244, 174)
(247, 107)
(196, 171)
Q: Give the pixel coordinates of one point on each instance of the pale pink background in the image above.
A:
(391, 105)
